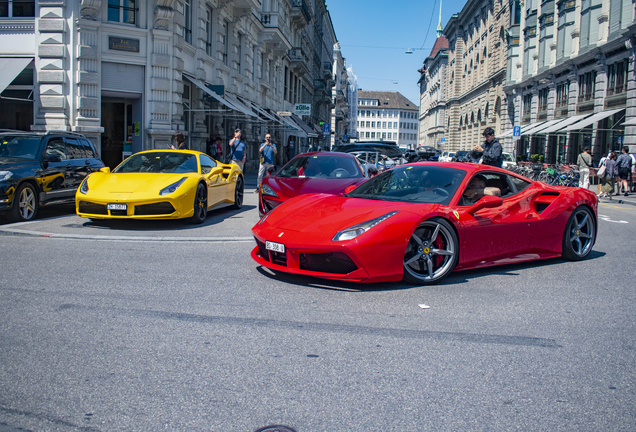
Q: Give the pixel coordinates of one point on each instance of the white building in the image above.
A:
(387, 115)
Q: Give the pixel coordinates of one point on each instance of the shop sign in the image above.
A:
(284, 113)
(123, 44)
(302, 109)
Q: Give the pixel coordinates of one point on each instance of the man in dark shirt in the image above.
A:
(491, 148)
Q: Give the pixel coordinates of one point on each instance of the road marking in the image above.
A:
(607, 219)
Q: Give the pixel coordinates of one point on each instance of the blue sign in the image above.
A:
(443, 140)
(345, 137)
(326, 128)
(516, 132)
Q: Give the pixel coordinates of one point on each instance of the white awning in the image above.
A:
(292, 124)
(630, 122)
(530, 127)
(563, 123)
(537, 129)
(259, 110)
(209, 92)
(309, 131)
(592, 119)
(10, 68)
(240, 105)
(506, 134)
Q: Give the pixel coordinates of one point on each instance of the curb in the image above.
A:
(126, 238)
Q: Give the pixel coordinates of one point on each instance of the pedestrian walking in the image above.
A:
(215, 150)
(267, 153)
(624, 163)
(239, 148)
(584, 162)
(611, 173)
(492, 149)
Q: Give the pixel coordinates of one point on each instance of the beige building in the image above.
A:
(432, 119)
(476, 72)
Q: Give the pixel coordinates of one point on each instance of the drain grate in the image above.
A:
(275, 428)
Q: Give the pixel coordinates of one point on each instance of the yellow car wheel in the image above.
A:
(200, 205)
(238, 193)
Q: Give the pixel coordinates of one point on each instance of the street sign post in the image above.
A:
(516, 132)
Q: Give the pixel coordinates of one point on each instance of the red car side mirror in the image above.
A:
(486, 202)
(350, 188)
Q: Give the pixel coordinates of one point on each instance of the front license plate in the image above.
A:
(276, 247)
(117, 207)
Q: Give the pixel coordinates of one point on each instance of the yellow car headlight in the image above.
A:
(172, 188)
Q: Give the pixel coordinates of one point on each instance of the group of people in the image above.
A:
(614, 172)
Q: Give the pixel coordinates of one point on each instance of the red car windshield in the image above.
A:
(412, 183)
(321, 166)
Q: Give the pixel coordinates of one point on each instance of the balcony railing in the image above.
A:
(302, 5)
(611, 91)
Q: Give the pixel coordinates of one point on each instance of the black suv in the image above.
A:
(388, 148)
(42, 168)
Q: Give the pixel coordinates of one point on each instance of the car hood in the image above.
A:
(292, 187)
(132, 182)
(321, 213)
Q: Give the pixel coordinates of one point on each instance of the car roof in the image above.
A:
(325, 153)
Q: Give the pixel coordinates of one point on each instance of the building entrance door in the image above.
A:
(121, 120)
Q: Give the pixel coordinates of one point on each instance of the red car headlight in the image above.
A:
(356, 230)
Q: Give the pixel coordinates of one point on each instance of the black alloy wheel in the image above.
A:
(200, 205)
(25, 204)
(431, 253)
(238, 193)
(579, 235)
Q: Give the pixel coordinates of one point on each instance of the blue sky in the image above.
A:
(374, 36)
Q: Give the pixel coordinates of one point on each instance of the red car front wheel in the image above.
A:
(431, 253)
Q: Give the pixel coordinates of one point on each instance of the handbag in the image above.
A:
(601, 171)
(262, 158)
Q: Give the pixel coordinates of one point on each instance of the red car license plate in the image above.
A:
(276, 247)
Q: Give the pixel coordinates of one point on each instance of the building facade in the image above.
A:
(129, 75)
(387, 115)
(570, 80)
(432, 115)
(476, 72)
(340, 95)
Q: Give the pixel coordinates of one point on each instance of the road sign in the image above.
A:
(442, 140)
(326, 128)
(284, 113)
(516, 132)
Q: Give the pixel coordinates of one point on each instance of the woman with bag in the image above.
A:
(608, 173)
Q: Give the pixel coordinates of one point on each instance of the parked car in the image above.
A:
(161, 184)
(507, 160)
(447, 157)
(388, 148)
(427, 152)
(324, 172)
(419, 222)
(38, 169)
(461, 156)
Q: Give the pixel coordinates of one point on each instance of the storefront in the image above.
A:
(16, 91)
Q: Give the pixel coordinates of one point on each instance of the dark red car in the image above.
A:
(319, 172)
(421, 221)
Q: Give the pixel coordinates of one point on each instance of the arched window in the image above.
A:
(479, 115)
(472, 117)
(461, 121)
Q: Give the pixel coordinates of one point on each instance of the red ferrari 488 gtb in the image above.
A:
(421, 221)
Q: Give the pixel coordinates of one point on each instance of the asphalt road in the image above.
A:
(168, 326)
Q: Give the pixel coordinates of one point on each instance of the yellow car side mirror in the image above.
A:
(105, 170)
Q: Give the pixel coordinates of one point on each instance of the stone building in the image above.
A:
(432, 116)
(130, 74)
(570, 80)
(476, 72)
(387, 115)
(340, 95)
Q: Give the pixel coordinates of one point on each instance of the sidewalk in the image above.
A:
(616, 199)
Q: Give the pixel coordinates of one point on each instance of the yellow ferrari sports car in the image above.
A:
(161, 184)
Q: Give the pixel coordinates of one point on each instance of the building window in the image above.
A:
(187, 26)
(563, 93)
(225, 40)
(367, 135)
(587, 86)
(18, 8)
(208, 31)
(543, 100)
(123, 11)
(527, 105)
(372, 124)
(617, 77)
(395, 125)
(368, 124)
(372, 134)
(239, 52)
(590, 13)
(383, 135)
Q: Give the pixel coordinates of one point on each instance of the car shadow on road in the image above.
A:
(454, 278)
(215, 216)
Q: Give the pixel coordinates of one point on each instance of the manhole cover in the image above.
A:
(275, 428)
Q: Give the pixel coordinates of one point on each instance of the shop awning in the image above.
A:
(555, 128)
(292, 125)
(591, 120)
(308, 130)
(209, 92)
(10, 68)
(240, 105)
(259, 110)
(537, 129)
(630, 122)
